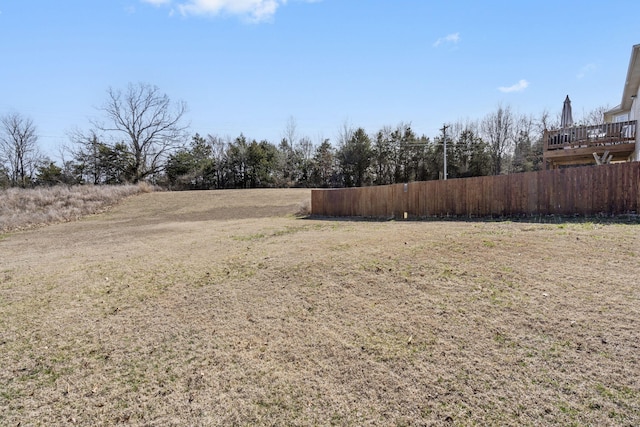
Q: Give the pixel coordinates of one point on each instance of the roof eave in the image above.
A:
(633, 79)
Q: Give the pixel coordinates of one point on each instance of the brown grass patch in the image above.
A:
(221, 308)
(21, 209)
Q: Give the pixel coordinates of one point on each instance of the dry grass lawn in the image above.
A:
(223, 308)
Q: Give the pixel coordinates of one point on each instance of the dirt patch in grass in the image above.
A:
(223, 308)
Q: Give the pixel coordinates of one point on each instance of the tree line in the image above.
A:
(143, 138)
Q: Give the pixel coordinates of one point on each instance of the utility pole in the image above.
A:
(444, 138)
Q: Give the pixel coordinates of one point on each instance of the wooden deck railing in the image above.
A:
(590, 136)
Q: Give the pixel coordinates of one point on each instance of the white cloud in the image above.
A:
(586, 70)
(255, 10)
(518, 87)
(450, 38)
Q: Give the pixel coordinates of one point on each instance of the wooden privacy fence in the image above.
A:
(592, 190)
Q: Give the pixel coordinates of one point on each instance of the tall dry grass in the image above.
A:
(26, 208)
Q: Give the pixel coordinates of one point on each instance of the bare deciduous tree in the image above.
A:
(345, 132)
(86, 151)
(149, 123)
(19, 148)
(593, 117)
(497, 128)
(546, 122)
(291, 132)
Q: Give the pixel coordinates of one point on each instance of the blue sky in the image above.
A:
(250, 65)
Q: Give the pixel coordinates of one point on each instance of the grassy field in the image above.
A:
(223, 308)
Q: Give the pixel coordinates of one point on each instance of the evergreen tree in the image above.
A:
(355, 158)
(323, 171)
(48, 174)
(384, 153)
